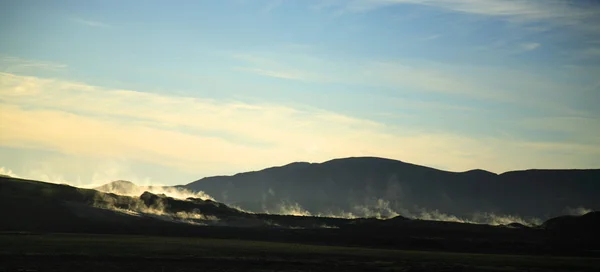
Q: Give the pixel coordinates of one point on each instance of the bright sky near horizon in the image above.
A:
(166, 92)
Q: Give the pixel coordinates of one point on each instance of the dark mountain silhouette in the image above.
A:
(32, 206)
(367, 186)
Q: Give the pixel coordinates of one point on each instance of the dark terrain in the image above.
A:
(34, 206)
(179, 235)
(76, 252)
(384, 185)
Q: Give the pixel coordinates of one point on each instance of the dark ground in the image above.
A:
(82, 252)
(102, 239)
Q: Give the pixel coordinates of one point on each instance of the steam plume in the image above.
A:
(127, 188)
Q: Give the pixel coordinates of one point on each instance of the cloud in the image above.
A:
(209, 136)
(527, 87)
(266, 65)
(432, 37)
(90, 23)
(530, 46)
(507, 47)
(590, 53)
(424, 78)
(573, 22)
(271, 73)
(9, 64)
(587, 128)
(555, 12)
(272, 5)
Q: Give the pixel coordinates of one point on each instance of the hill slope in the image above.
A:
(39, 206)
(33, 206)
(367, 186)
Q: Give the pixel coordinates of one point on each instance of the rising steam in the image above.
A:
(291, 209)
(382, 209)
(577, 211)
(8, 173)
(136, 207)
(128, 188)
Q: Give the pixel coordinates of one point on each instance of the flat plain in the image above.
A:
(87, 252)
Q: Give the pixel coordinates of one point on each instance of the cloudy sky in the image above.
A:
(166, 92)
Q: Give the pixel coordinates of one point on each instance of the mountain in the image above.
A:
(39, 207)
(370, 186)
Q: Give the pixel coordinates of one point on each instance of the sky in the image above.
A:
(167, 92)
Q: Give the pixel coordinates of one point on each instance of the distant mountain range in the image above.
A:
(370, 186)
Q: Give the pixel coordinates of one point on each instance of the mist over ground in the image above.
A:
(376, 188)
(370, 208)
(384, 188)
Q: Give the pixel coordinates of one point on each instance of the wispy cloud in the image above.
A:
(272, 73)
(529, 46)
(272, 5)
(267, 65)
(573, 21)
(432, 37)
(90, 23)
(556, 12)
(590, 52)
(204, 135)
(9, 64)
(417, 76)
(587, 128)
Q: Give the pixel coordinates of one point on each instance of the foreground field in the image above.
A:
(70, 252)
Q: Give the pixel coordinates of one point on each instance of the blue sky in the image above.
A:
(166, 92)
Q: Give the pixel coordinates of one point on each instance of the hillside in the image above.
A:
(40, 206)
(34, 206)
(367, 186)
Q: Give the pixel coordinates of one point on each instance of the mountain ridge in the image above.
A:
(404, 187)
(40, 207)
(401, 161)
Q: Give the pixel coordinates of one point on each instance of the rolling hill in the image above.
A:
(369, 186)
(32, 206)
